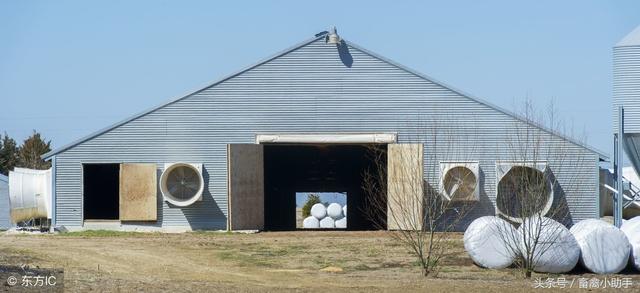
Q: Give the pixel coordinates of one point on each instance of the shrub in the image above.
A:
(312, 199)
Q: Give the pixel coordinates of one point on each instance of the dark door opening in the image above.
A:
(319, 168)
(101, 191)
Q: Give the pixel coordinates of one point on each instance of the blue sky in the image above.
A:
(68, 68)
(325, 197)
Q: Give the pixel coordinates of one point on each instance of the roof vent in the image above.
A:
(333, 37)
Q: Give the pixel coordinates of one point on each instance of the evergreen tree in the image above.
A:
(8, 154)
(311, 200)
(31, 150)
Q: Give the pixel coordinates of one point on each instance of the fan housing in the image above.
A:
(182, 184)
(517, 185)
(459, 181)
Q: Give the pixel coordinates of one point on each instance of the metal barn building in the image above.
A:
(231, 155)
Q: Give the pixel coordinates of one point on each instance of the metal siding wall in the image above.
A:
(626, 86)
(306, 90)
(5, 207)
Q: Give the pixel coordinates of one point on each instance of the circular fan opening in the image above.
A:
(524, 192)
(460, 183)
(181, 184)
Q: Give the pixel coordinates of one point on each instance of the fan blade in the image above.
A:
(181, 171)
(454, 188)
(192, 185)
(189, 175)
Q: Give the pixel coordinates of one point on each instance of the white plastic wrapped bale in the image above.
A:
(344, 210)
(311, 222)
(556, 250)
(319, 211)
(586, 224)
(486, 241)
(334, 210)
(604, 249)
(631, 228)
(327, 222)
(342, 223)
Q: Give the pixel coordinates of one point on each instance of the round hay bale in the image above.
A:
(486, 242)
(344, 210)
(631, 228)
(319, 211)
(311, 222)
(342, 223)
(604, 249)
(556, 250)
(334, 211)
(327, 223)
(586, 224)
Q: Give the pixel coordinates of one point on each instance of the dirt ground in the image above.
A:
(302, 261)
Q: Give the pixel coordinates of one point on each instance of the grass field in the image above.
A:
(318, 261)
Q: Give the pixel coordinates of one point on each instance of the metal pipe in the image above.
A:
(617, 167)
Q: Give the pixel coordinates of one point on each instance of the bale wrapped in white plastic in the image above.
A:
(631, 228)
(604, 249)
(486, 240)
(342, 223)
(344, 210)
(311, 222)
(586, 224)
(628, 226)
(319, 211)
(327, 222)
(334, 210)
(555, 250)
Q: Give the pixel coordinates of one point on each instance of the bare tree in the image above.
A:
(410, 202)
(529, 189)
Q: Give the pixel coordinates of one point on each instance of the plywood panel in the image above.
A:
(246, 186)
(405, 185)
(138, 192)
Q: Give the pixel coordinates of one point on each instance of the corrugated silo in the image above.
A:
(626, 92)
(626, 109)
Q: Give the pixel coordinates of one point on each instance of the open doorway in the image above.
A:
(319, 168)
(101, 199)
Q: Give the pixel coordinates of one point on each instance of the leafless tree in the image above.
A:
(529, 189)
(409, 200)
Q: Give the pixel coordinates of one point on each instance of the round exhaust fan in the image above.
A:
(182, 184)
(523, 191)
(459, 181)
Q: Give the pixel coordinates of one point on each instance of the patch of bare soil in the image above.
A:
(308, 261)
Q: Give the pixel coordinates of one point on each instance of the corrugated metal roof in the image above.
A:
(482, 101)
(315, 38)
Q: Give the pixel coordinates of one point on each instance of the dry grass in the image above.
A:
(287, 261)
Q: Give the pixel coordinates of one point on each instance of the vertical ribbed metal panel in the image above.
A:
(312, 89)
(626, 86)
(5, 207)
(626, 93)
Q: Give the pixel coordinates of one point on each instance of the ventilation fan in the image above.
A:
(517, 182)
(459, 180)
(182, 184)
